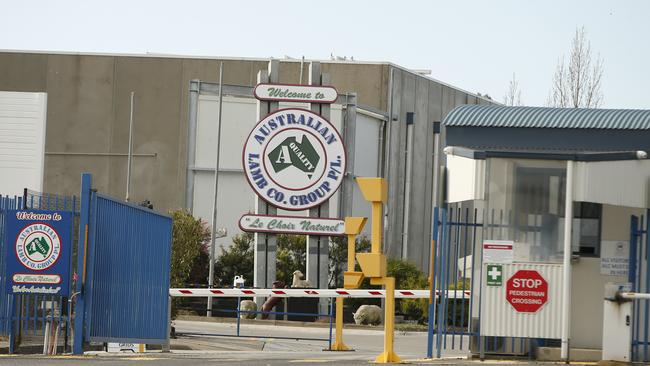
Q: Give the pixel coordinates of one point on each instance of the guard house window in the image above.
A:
(539, 214)
(587, 218)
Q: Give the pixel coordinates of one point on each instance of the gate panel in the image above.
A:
(6, 300)
(640, 278)
(128, 273)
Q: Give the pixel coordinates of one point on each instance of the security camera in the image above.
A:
(641, 154)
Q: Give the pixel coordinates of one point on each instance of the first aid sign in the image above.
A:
(527, 291)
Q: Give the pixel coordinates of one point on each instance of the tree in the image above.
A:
(578, 83)
(291, 256)
(513, 95)
(189, 238)
(236, 260)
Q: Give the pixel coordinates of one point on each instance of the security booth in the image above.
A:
(561, 199)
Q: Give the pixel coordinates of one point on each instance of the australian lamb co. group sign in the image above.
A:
(295, 93)
(294, 159)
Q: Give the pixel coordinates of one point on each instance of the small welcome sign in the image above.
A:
(38, 245)
(296, 93)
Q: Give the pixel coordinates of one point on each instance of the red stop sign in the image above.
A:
(527, 291)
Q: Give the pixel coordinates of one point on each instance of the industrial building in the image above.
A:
(87, 104)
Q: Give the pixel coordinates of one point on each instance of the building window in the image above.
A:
(587, 219)
(539, 204)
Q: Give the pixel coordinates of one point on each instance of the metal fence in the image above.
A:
(6, 300)
(458, 234)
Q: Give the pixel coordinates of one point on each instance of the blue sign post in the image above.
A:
(39, 246)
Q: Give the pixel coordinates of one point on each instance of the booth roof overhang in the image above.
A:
(609, 147)
(548, 130)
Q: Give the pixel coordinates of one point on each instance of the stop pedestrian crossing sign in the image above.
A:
(527, 291)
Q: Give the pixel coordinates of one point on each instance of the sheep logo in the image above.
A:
(38, 247)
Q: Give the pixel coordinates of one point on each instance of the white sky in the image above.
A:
(475, 45)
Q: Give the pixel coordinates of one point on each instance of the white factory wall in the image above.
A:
(22, 141)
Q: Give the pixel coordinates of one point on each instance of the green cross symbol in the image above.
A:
(494, 275)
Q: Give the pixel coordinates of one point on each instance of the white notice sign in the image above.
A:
(498, 251)
(614, 258)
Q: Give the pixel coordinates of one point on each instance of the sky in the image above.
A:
(473, 45)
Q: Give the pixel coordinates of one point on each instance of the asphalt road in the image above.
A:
(205, 360)
(198, 344)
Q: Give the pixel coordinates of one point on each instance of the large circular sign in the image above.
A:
(294, 159)
(38, 247)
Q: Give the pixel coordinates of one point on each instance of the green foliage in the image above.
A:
(291, 256)
(338, 258)
(189, 239)
(199, 273)
(235, 260)
(408, 276)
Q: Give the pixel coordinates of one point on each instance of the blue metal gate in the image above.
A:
(639, 276)
(458, 235)
(125, 271)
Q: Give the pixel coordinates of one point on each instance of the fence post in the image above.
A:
(79, 309)
(432, 285)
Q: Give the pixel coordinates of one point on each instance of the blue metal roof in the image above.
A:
(543, 117)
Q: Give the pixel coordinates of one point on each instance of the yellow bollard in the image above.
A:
(352, 279)
(388, 355)
(338, 343)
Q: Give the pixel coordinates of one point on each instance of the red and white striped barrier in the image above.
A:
(294, 292)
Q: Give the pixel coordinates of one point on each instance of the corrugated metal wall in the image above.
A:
(499, 318)
(22, 121)
(128, 273)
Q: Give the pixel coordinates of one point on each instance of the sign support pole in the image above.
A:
(80, 306)
(213, 237)
(566, 270)
(318, 246)
(265, 244)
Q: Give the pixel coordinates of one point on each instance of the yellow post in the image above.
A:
(353, 226)
(352, 243)
(375, 190)
(338, 342)
(373, 264)
(388, 355)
